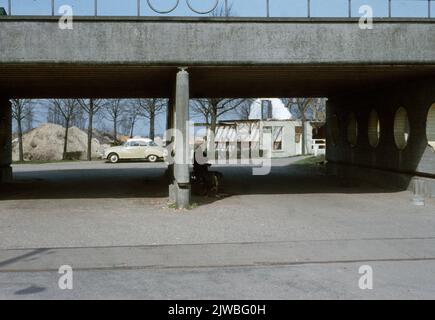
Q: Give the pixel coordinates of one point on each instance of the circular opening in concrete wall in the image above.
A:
(352, 130)
(430, 127)
(335, 130)
(401, 128)
(374, 129)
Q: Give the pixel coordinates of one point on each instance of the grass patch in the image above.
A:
(42, 161)
(311, 160)
(192, 206)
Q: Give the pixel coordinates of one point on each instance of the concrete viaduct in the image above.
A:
(380, 83)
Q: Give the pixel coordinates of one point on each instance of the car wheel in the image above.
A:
(113, 158)
(152, 158)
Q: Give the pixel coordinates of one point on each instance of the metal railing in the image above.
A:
(227, 4)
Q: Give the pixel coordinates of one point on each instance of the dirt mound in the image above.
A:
(45, 143)
(103, 137)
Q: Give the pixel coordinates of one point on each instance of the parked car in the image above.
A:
(135, 149)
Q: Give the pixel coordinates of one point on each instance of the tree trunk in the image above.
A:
(304, 137)
(20, 140)
(115, 129)
(90, 128)
(213, 122)
(65, 143)
(152, 120)
(132, 128)
(212, 143)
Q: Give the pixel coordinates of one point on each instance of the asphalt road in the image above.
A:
(392, 280)
(296, 233)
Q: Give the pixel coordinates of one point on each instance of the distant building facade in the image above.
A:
(249, 136)
(268, 119)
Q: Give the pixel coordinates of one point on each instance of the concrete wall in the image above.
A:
(5, 140)
(417, 158)
(199, 41)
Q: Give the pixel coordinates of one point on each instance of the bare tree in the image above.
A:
(68, 109)
(91, 108)
(113, 111)
(212, 109)
(312, 108)
(22, 109)
(244, 109)
(29, 121)
(318, 110)
(54, 116)
(150, 109)
(130, 117)
(222, 11)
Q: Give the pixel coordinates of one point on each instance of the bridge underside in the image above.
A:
(354, 93)
(388, 71)
(131, 81)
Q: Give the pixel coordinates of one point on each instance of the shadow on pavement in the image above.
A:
(153, 183)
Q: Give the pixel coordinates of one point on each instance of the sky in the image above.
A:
(241, 8)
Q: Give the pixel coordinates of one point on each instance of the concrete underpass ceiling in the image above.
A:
(130, 81)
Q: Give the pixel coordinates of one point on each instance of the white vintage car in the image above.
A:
(135, 149)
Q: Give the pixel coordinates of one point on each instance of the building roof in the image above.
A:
(278, 112)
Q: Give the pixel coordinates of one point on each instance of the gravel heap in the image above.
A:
(45, 143)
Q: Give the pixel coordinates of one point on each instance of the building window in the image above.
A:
(430, 127)
(401, 128)
(298, 134)
(276, 133)
(374, 129)
(352, 130)
(277, 138)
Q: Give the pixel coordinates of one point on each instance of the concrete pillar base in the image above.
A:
(418, 200)
(421, 190)
(172, 193)
(182, 196)
(6, 174)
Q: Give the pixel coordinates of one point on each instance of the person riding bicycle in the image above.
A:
(200, 162)
(205, 181)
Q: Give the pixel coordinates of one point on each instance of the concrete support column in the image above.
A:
(181, 189)
(170, 124)
(5, 140)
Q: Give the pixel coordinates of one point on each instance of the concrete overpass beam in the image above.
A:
(5, 140)
(181, 188)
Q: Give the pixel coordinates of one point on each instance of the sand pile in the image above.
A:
(45, 143)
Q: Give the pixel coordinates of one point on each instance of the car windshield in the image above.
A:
(139, 143)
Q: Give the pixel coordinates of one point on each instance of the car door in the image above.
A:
(153, 149)
(132, 150)
(137, 151)
(141, 152)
